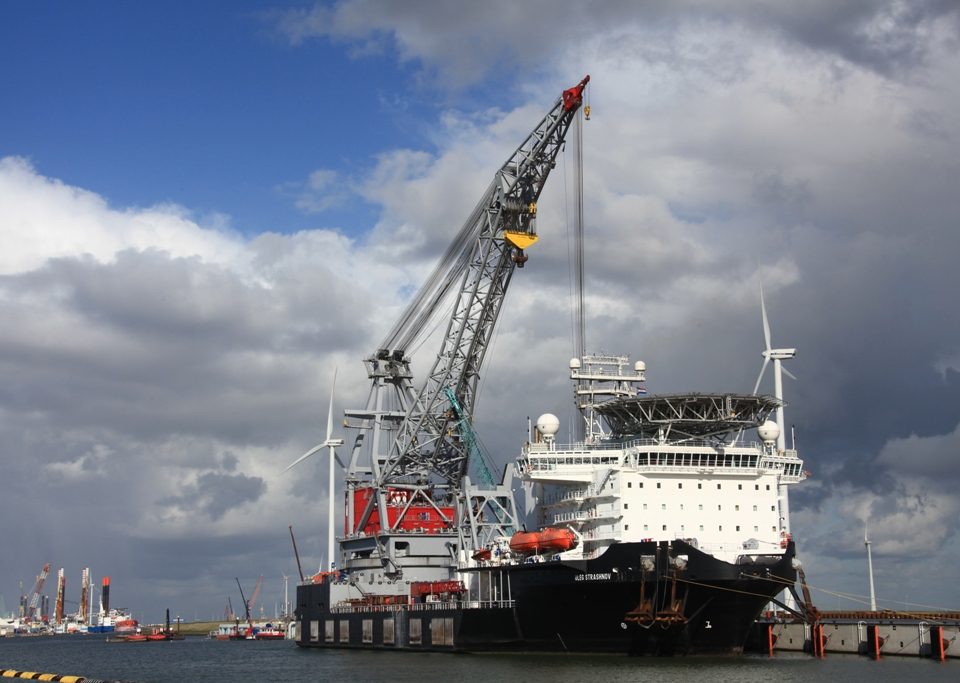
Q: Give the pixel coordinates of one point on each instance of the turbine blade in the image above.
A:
(788, 373)
(763, 368)
(330, 408)
(339, 461)
(304, 457)
(766, 323)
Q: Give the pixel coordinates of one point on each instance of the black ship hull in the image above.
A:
(637, 598)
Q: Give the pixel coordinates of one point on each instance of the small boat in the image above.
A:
(270, 633)
(549, 540)
(131, 638)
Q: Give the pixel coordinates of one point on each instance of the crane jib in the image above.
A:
(422, 441)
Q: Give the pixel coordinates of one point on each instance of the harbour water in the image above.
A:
(201, 660)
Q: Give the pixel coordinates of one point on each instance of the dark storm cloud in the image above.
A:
(151, 341)
(216, 493)
(888, 36)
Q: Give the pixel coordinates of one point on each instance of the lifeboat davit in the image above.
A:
(545, 540)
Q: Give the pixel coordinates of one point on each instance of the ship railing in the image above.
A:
(645, 442)
(575, 496)
(424, 606)
(665, 458)
(352, 609)
(462, 604)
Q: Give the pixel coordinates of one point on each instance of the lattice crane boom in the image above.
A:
(37, 590)
(494, 238)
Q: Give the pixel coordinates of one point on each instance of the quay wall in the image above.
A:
(895, 637)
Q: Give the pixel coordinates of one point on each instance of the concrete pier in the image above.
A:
(875, 635)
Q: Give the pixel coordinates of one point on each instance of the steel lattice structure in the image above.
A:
(501, 228)
(419, 438)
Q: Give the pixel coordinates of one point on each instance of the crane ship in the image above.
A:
(664, 529)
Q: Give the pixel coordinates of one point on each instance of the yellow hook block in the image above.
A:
(521, 240)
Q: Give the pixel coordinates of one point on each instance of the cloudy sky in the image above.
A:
(206, 208)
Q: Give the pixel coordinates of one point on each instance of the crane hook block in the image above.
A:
(521, 240)
(573, 97)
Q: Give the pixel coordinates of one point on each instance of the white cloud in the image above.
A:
(45, 218)
(324, 189)
(934, 458)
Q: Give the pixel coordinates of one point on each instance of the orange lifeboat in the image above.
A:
(482, 555)
(546, 540)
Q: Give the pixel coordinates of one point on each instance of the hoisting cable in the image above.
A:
(578, 270)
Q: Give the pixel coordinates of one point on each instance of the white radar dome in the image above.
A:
(574, 363)
(639, 366)
(768, 431)
(548, 424)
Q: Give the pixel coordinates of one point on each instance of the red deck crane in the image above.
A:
(35, 593)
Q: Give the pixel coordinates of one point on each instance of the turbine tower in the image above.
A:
(330, 443)
(873, 595)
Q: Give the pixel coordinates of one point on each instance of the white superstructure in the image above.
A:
(662, 468)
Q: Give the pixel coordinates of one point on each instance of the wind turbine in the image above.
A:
(330, 443)
(777, 356)
(873, 596)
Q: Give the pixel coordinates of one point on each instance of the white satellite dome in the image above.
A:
(548, 424)
(639, 366)
(769, 431)
(574, 363)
